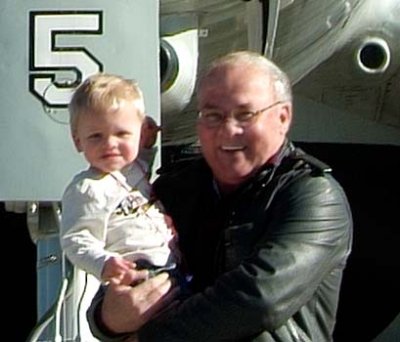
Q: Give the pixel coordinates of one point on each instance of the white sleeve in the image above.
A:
(83, 231)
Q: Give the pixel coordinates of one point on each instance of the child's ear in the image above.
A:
(77, 143)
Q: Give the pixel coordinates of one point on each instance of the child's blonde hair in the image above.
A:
(101, 92)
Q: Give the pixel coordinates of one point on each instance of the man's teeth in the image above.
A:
(232, 148)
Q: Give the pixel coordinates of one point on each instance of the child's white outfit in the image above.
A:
(111, 214)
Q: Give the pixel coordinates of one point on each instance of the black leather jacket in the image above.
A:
(267, 261)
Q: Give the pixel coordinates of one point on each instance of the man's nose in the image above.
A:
(231, 126)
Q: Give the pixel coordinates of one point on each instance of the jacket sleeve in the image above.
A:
(96, 327)
(83, 228)
(307, 238)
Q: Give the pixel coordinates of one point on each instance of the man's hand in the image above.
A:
(149, 132)
(126, 308)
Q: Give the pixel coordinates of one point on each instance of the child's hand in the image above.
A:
(116, 267)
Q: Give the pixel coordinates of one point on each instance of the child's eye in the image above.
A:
(124, 134)
(94, 137)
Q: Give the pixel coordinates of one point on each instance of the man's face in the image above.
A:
(236, 152)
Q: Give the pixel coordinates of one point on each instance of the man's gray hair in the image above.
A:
(280, 80)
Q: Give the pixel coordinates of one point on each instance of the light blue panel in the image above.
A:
(49, 276)
(42, 44)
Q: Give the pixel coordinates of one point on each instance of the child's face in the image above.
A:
(110, 139)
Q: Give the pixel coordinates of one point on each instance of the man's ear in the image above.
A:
(285, 116)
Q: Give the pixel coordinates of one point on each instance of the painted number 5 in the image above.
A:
(56, 68)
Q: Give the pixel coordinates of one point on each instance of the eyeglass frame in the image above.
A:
(233, 114)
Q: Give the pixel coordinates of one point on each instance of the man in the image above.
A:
(264, 228)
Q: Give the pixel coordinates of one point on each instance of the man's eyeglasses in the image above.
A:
(213, 118)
